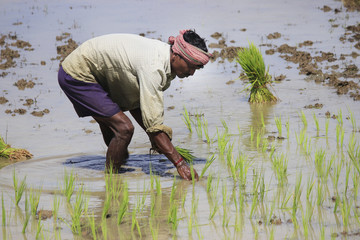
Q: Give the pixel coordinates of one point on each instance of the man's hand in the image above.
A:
(185, 171)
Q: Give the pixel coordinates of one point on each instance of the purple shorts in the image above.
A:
(89, 99)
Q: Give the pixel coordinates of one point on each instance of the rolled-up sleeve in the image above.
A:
(152, 81)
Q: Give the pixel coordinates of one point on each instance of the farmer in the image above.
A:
(108, 75)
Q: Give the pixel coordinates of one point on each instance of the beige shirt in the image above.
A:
(134, 71)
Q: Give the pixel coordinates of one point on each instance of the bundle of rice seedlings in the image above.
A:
(251, 61)
(186, 154)
(14, 154)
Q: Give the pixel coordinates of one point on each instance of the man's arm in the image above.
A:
(163, 145)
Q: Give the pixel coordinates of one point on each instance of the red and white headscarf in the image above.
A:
(191, 53)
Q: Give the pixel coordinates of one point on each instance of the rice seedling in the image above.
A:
(278, 125)
(265, 144)
(206, 130)
(303, 118)
(158, 185)
(279, 165)
(242, 166)
(124, 204)
(214, 210)
(92, 224)
(198, 125)
(3, 212)
(296, 198)
(19, 189)
(172, 217)
(6, 151)
(39, 228)
(347, 176)
(104, 229)
(310, 186)
(320, 194)
(226, 219)
(251, 61)
(225, 125)
(316, 120)
(353, 121)
(154, 230)
(27, 215)
(186, 154)
(340, 118)
(106, 207)
(209, 161)
(56, 205)
(187, 120)
(77, 211)
(355, 180)
(345, 213)
(34, 198)
(320, 163)
(208, 182)
(223, 140)
(69, 185)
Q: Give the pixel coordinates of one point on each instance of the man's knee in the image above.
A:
(124, 131)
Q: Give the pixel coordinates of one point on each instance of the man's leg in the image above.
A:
(117, 132)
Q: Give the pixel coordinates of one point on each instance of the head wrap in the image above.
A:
(192, 54)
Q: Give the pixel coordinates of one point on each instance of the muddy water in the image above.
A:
(60, 141)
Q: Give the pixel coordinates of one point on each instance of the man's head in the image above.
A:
(189, 53)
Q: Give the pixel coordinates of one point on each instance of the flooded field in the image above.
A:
(288, 170)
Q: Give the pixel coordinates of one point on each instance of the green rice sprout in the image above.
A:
(77, 211)
(19, 189)
(69, 185)
(104, 229)
(316, 120)
(278, 125)
(39, 228)
(207, 165)
(186, 154)
(27, 215)
(34, 198)
(186, 119)
(56, 205)
(251, 61)
(154, 230)
(223, 140)
(279, 165)
(124, 204)
(340, 118)
(158, 185)
(106, 207)
(353, 121)
(172, 217)
(3, 212)
(92, 224)
(198, 125)
(303, 118)
(209, 181)
(206, 129)
(214, 210)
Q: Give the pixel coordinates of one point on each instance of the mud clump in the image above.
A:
(3, 100)
(22, 84)
(64, 50)
(352, 5)
(8, 55)
(40, 113)
(275, 35)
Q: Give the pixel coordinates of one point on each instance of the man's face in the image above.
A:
(182, 68)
